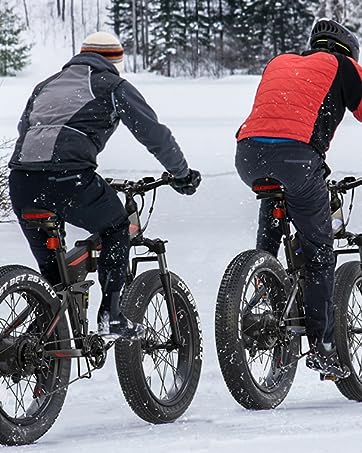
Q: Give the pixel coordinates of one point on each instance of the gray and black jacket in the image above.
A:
(71, 115)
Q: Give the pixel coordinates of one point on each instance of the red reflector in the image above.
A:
(53, 243)
(270, 187)
(43, 215)
(278, 213)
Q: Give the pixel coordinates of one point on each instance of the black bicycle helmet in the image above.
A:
(329, 34)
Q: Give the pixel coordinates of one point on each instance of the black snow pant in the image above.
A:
(301, 170)
(81, 198)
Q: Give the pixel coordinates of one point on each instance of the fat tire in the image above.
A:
(230, 347)
(128, 356)
(14, 431)
(346, 277)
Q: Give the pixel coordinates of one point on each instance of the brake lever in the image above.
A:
(167, 177)
(147, 180)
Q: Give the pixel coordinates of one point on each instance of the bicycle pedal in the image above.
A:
(328, 377)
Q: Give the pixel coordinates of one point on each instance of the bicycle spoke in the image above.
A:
(162, 383)
(165, 379)
(261, 299)
(19, 389)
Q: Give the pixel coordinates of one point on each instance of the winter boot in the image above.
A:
(122, 327)
(323, 358)
(112, 323)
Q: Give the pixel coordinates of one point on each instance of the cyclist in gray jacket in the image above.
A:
(66, 123)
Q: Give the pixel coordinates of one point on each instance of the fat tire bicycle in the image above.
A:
(259, 318)
(44, 328)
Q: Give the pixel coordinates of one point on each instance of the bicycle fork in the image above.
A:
(165, 277)
(157, 246)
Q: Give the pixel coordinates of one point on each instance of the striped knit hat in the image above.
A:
(106, 45)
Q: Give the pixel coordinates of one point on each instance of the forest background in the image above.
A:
(189, 38)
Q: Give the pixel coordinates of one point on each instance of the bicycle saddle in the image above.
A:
(268, 188)
(39, 218)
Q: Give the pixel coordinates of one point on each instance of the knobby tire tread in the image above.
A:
(139, 398)
(235, 372)
(12, 434)
(346, 276)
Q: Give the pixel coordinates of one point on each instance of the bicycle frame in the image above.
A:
(82, 259)
(273, 189)
(293, 261)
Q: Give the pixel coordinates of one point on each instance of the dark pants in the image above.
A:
(81, 198)
(301, 170)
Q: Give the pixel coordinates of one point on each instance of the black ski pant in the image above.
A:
(81, 198)
(301, 170)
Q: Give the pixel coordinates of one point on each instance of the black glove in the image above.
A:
(188, 184)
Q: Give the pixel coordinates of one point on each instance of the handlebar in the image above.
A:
(347, 183)
(139, 187)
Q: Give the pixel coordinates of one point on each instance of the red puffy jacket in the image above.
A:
(304, 97)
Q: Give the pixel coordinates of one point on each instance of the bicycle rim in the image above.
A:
(25, 382)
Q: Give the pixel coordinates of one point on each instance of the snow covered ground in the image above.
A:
(204, 232)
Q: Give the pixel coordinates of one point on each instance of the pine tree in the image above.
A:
(275, 27)
(167, 35)
(353, 17)
(14, 55)
(208, 34)
(236, 34)
(120, 15)
(121, 19)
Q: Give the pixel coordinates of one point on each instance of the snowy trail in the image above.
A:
(315, 417)
(204, 233)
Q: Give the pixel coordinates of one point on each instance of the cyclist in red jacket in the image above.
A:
(299, 103)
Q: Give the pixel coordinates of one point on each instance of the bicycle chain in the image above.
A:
(87, 375)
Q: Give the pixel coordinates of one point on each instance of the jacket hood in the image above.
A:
(94, 60)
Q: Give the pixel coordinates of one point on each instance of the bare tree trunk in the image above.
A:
(221, 36)
(134, 29)
(72, 23)
(26, 14)
(184, 4)
(63, 11)
(142, 13)
(98, 16)
(147, 58)
(196, 68)
(83, 18)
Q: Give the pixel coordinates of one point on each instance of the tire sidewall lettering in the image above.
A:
(183, 287)
(20, 279)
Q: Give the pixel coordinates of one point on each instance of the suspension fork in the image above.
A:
(158, 247)
(165, 277)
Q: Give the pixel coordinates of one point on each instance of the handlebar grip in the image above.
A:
(349, 183)
(143, 185)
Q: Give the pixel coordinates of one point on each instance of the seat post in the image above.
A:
(49, 222)
(62, 265)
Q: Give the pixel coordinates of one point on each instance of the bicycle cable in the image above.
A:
(150, 212)
(350, 207)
